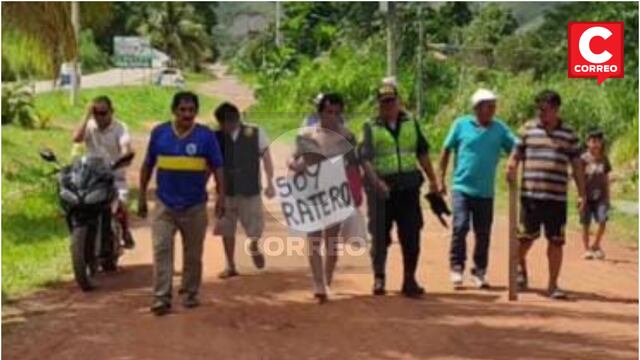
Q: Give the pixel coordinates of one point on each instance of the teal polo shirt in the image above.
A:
(477, 151)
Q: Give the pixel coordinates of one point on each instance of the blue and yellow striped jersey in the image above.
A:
(183, 163)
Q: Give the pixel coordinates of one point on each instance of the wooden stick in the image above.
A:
(514, 247)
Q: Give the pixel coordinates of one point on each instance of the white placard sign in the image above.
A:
(316, 198)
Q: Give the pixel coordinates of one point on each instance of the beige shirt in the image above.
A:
(107, 143)
(324, 142)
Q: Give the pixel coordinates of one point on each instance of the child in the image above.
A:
(596, 168)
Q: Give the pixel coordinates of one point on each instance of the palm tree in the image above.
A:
(176, 30)
(48, 24)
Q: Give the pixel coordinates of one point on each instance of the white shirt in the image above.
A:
(107, 143)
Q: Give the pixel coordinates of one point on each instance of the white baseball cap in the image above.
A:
(482, 95)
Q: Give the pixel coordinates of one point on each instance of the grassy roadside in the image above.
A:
(35, 238)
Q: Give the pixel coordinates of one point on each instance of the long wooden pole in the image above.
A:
(514, 246)
(75, 73)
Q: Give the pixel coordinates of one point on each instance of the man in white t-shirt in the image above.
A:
(108, 138)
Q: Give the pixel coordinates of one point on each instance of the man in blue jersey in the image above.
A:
(184, 153)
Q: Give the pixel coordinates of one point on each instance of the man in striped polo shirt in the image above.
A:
(546, 149)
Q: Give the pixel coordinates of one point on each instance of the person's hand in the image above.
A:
(89, 112)
(142, 206)
(297, 165)
(512, 171)
(443, 188)
(269, 192)
(219, 208)
(433, 187)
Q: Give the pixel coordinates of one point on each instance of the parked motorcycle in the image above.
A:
(88, 197)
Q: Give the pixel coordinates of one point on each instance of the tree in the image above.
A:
(48, 24)
(175, 29)
(492, 23)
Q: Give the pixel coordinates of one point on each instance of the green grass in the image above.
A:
(34, 241)
(194, 78)
(134, 105)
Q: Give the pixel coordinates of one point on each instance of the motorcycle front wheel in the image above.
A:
(82, 259)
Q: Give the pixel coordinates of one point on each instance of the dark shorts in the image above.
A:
(535, 214)
(596, 210)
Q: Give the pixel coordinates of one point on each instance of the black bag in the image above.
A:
(438, 206)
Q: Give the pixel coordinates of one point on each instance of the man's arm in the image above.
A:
(373, 178)
(444, 163)
(219, 179)
(512, 166)
(425, 163)
(422, 152)
(79, 134)
(145, 176)
(578, 177)
(267, 162)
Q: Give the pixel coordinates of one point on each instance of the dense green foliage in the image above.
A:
(467, 47)
(32, 46)
(137, 106)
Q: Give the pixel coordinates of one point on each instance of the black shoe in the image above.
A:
(378, 286)
(160, 308)
(190, 301)
(127, 240)
(321, 298)
(412, 290)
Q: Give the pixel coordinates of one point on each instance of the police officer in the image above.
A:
(392, 143)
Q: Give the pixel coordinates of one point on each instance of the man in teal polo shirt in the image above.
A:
(477, 141)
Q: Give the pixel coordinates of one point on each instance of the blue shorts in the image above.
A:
(596, 210)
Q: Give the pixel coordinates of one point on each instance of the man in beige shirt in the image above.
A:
(109, 139)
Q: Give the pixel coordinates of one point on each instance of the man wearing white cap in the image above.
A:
(477, 141)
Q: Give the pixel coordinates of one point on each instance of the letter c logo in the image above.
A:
(585, 41)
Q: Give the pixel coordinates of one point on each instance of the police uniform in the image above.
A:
(393, 153)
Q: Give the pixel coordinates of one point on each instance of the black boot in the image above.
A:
(378, 285)
(410, 288)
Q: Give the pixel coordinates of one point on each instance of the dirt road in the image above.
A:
(270, 314)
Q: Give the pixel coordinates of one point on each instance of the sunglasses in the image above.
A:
(100, 112)
(388, 100)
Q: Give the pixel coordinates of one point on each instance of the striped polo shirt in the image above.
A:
(546, 156)
(183, 163)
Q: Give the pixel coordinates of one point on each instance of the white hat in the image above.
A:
(318, 99)
(482, 95)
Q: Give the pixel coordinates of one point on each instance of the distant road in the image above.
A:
(112, 77)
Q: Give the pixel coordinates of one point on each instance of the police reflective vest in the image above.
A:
(394, 155)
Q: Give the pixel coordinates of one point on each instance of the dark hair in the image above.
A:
(227, 112)
(595, 133)
(103, 99)
(184, 96)
(549, 97)
(331, 98)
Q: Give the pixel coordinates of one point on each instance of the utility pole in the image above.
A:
(419, 92)
(391, 38)
(75, 76)
(278, 34)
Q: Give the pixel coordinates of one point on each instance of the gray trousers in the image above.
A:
(192, 225)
